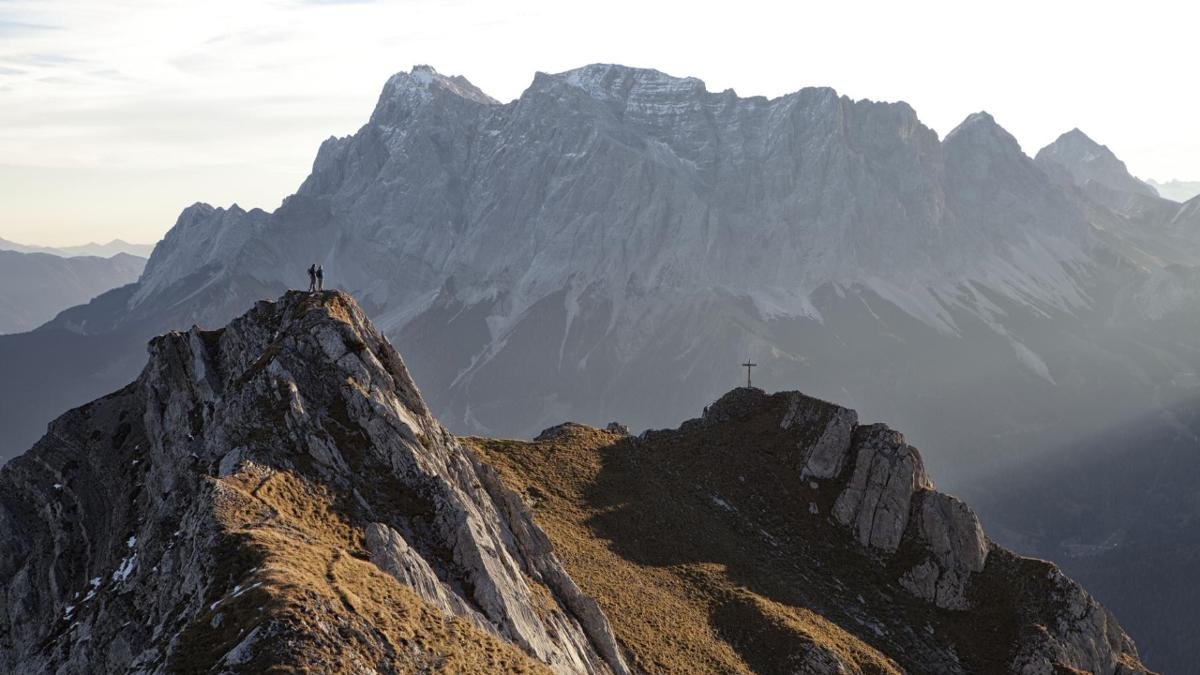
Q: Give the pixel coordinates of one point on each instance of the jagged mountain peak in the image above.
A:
(265, 485)
(1086, 160)
(981, 131)
(609, 81)
(406, 91)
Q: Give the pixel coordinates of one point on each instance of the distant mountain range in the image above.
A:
(34, 287)
(1177, 190)
(90, 249)
(614, 242)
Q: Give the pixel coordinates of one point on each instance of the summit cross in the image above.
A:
(748, 365)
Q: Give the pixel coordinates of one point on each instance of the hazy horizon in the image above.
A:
(115, 118)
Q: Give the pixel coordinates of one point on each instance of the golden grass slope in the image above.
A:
(690, 616)
(299, 581)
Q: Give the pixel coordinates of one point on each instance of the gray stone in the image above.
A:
(877, 498)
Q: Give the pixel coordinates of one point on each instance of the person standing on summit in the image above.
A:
(320, 278)
(312, 277)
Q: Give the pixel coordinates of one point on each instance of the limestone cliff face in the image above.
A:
(250, 499)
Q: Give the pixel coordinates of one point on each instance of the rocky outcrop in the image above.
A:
(931, 542)
(124, 530)
(827, 456)
(876, 501)
(947, 531)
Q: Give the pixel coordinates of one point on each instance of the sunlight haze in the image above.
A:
(115, 116)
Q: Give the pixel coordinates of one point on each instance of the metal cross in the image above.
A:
(748, 365)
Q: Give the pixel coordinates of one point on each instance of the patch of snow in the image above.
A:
(126, 568)
(1032, 361)
(722, 503)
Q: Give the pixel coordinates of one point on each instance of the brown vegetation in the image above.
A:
(298, 579)
(628, 531)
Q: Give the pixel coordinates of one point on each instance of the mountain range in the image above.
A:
(1177, 190)
(34, 287)
(611, 244)
(108, 250)
(275, 495)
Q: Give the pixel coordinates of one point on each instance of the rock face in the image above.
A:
(876, 501)
(954, 546)
(617, 229)
(132, 526)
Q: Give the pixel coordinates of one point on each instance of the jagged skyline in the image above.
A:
(118, 116)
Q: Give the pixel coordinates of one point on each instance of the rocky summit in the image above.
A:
(276, 495)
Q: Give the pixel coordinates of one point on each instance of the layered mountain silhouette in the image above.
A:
(614, 242)
(34, 287)
(106, 250)
(1177, 190)
(276, 494)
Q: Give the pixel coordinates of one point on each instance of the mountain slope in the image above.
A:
(34, 287)
(1086, 161)
(242, 505)
(774, 534)
(275, 495)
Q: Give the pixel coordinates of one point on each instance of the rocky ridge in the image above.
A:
(174, 523)
(806, 511)
(276, 493)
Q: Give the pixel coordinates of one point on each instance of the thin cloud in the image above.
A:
(9, 28)
(44, 59)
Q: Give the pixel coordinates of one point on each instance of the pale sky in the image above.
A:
(116, 114)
